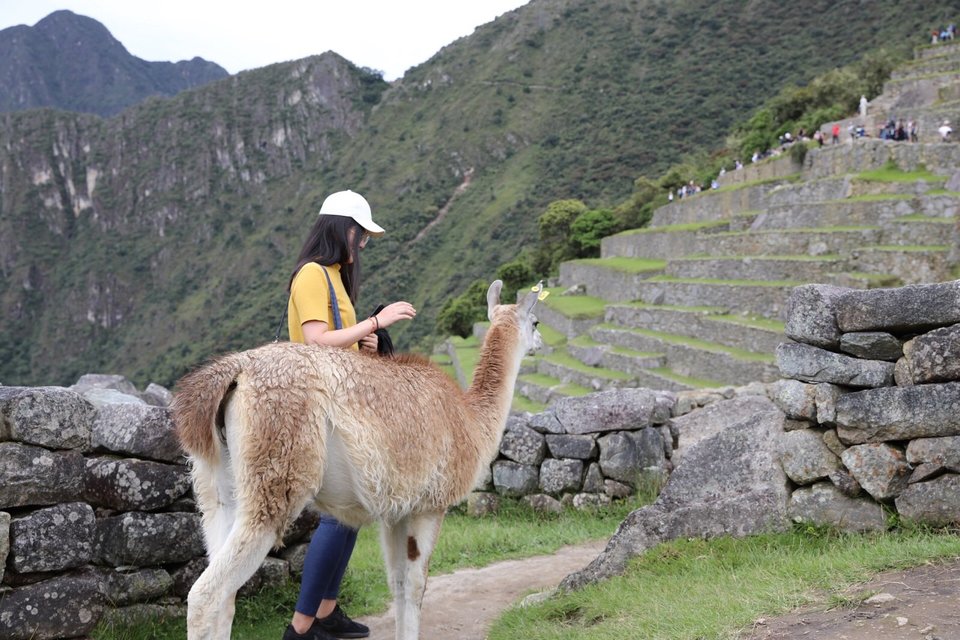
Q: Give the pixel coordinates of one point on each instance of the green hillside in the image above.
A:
(143, 243)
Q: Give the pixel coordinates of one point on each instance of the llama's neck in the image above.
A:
(491, 393)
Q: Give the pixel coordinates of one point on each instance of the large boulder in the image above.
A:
(567, 446)
(729, 483)
(33, 476)
(137, 430)
(712, 419)
(625, 455)
(812, 364)
(53, 538)
(899, 413)
(51, 417)
(906, 309)
(67, 606)
(614, 410)
(144, 539)
(128, 484)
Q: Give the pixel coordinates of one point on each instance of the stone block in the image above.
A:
(901, 310)
(811, 315)
(616, 489)
(33, 476)
(826, 396)
(481, 504)
(137, 430)
(614, 410)
(186, 574)
(932, 357)
(590, 501)
(935, 502)
(899, 413)
(144, 539)
(805, 457)
(833, 443)
(127, 585)
(524, 445)
(103, 381)
(128, 484)
(51, 417)
(53, 538)
(302, 527)
(546, 422)
(941, 451)
(812, 364)
(513, 479)
(561, 475)
(845, 482)
(4, 541)
(881, 470)
(795, 398)
(871, 345)
(66, 606)
(156, 395)
(273, 572)
(542, 503)
(825, 504)
(567, 446)
(593, 479)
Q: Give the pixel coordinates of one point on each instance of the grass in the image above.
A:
(551, 336)
(468, 353)
(516, 532)
(521, 403)
(713, 347)
(787, 258)
(833, 229)
(670, 228)
(568, 361)
(910, 248)
(626, 265)
(755, 322)
(895, 174)
(738, 283)
(692, 589)
(793, 177)
(574, 307)
(673, 307)
(874, 197)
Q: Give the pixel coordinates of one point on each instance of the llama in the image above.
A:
(366, 439)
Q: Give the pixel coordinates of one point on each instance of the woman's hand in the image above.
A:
(394, 312)
(369, 342)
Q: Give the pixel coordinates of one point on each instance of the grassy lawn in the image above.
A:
(892, 173)
(699, 589)
(575, 307)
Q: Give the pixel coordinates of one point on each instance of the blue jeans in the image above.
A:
(323, 567)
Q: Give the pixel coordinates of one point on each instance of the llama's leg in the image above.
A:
(408, 546)
(214, 493)
(210, 602)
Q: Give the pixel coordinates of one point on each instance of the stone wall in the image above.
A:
(872, 390)
(97, 518)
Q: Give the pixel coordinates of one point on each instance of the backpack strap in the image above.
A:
(337, 321)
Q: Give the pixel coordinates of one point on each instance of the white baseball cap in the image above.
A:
(352, 205)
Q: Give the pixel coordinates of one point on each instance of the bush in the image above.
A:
(587, 231)
(458, 314)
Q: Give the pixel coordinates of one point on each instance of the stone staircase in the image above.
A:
(698, 298)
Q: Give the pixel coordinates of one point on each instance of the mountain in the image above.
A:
(71, 62)
(143, 243)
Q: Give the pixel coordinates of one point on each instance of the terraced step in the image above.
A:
(667, 379)
(925, 67)
(910, 264)
(920, 87)
(804, 267)
(794, 241)
(569, 316)
(691, 356)
(660, 242)
(716, 204)
(544, 389)
(917, 230)
(748, 297)
(608, 278)
(568, 369)
(941, 49)
(629, 361)
(712, 324)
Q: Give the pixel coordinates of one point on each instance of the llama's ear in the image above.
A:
(493, 297)
(526, 305)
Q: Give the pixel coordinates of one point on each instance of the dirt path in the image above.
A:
(465, 603)
(915, 604)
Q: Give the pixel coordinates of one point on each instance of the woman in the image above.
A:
(330, 261)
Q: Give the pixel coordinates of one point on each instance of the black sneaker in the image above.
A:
(315, 632)
(339, 625)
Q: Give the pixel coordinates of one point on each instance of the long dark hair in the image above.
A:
(330, 243)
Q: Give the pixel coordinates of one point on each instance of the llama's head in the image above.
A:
(520, 314)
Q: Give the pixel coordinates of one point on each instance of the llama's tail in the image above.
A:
(198, 406)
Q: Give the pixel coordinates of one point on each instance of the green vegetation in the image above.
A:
(684, 226)
(575, 307)
(737, 283)
(732, 581)
(566, 360)
(626, 265)
(521, 403)
(713, 347)
(755, 322)
(919, 217)
(515, 532)
(551, 336)
(914, 248)
(892, 173)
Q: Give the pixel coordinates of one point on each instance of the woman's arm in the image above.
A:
(318, 332)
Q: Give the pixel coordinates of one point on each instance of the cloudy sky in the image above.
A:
(389, 35)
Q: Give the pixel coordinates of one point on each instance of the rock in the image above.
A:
(845, 482)
(805, 457)
(33, 476)
(137, 430)
(543, 503)
(812, 364)
(128, 484)
(565, 446)
(273, 572)
(936, 502)
(66, 606)
(481, 504)
(4, 541)
(616, 489)
(729, 483)
(825, 504)
(187, 574)
(513, 479)
(53, 538)
(826, 396)
(142, 613)
(156, 395)
(103, 397)
(871, 345)
(51, 417)
(593, 479)
(811, 315)
(942, 451)
(796, 399)
(104, 381)
(524, 445)
(623, 455)
(144, 539)
(546, 422)
(303, 526)
(899, 413)
(712, 419)
(614, 410)
(912, 308)
(926, 471)
(833, 443)
(796, 425)
(589, 501)
(933, 356)
(880, 469)
(485, 480)
(561, 475)
(128, 585)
